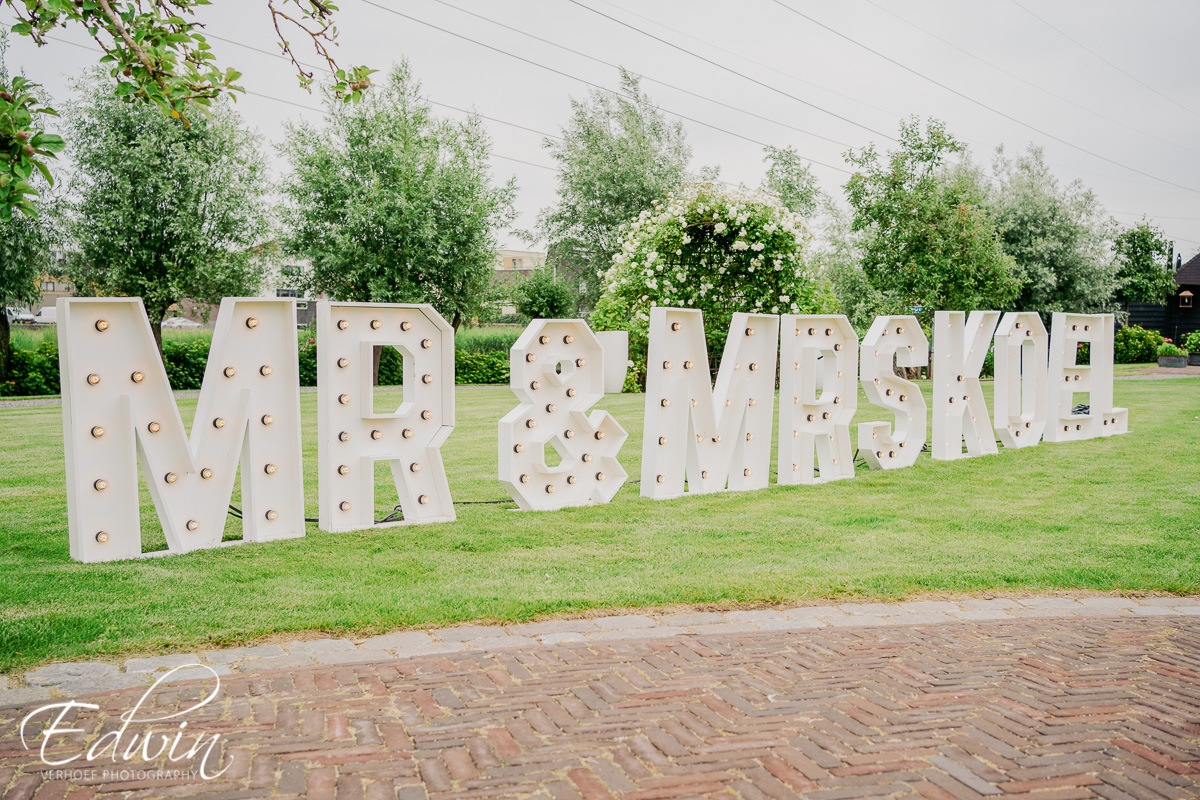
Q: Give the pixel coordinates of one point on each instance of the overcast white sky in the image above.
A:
(1137, 115)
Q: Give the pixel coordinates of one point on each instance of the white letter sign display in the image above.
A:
(959, 410)
(1020, 390)
(557, 372)
(118, 411)
(811, 427)
(352, 437)
(708, 436)
(899, 338)
(1065, 379)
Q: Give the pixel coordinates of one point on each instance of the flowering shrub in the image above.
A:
(1191, 342)
(1168, 349)
(1134, 344)
(717, 249)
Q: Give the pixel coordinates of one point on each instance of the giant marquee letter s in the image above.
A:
(557, 372)
(900, 338)
(813, 428)
(118, 411)
(960, 346)
(1020, 390)
(1066, 378)
(710, 436)
(352, 437)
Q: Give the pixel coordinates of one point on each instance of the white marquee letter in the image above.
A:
(901, 337)
(557, 372)
(1065, 379)
(710, 436)
(959, 351)
(352, 437)
(117, 407)
(813, 428)
(1020, 390)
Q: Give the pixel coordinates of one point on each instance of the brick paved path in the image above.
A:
(1045, 709)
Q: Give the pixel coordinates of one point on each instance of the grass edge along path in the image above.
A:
(1108, 515)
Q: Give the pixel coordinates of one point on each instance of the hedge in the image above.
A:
(35, 372)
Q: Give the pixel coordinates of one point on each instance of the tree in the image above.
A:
(1145, 273)
(543, 296)
(930, 243)
(618, 155)
(1060, 237)
(791, 180)
(156, 54)
(713, 248)
(164, 212)
(390, 204)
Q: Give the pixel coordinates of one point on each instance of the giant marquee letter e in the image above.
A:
(710, 436)
(902, 340)
(1066, 378)
(557, 372)
(118, 411)
(352, 437)
(960, 414)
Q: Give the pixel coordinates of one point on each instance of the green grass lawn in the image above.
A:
(1107, 514)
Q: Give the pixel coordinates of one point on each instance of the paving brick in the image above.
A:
(871, 609)
(560, 638)
(930, 606)
(1113, 603)
(468, 632)
(552, 626)
(982, 614)
(808, 612)
(988, 603)
(161, 663)
(195, 673)
(431, 649)
(235, 654)
(500, 643)
(352, 656)
(1169, 601)
(314, 646)
(1154, 611)
(660, 632)
(724, 627)
(790, 624)
(688, 620)
(55, 674)
(624, 622)
(19, 697)
(108, 683)
(858, 621)
(758, 615)
(291, 661)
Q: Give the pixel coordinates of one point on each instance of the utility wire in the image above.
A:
(643, 76)
(583, 80)
(979, 103)
(730, 70)
(1094, 54)
(1029, 83)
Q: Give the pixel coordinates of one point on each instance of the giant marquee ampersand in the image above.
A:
(960, 413)
(709, 436)
(899, 339)
(352, 437)
(811, 427)
(556, 370)
(118, 411)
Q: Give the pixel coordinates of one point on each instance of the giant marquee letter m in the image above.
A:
(118, 411)
(710, 437)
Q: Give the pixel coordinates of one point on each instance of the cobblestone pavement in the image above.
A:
(1061, 706)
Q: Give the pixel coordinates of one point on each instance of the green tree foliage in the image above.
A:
(791, 180)
(390, 204)
(929, 244)
(1145, 273)
(543, 296)
(156, 53)
(162, 211)
(713, 248)
(1060, 237)
(618, 155)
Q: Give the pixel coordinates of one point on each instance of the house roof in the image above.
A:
(1189, 273)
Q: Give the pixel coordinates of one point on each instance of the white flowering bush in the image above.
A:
(710, 247)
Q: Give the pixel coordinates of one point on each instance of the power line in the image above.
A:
(643, 75)
(1029, 83)
(1094, 54)
(730, 70)
(979, 103)
(584, 81)
(325, 112)
(741, 57)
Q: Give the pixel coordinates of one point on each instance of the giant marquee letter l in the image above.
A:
(117, 407)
